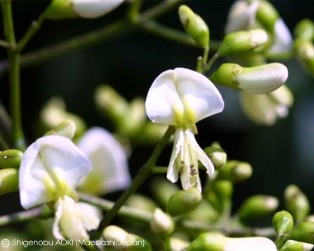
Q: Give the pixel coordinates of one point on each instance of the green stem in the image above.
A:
(111, 31)
(34, 27)
(145, 171)
(14, 75)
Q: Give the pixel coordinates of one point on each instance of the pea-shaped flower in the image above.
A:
(50, 170)
(180, 98)
(110, 167)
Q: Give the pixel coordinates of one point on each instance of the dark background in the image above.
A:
(280, 155)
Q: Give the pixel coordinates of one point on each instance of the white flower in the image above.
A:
(73, 220)
(94, 8)
(110, 168)
(50, 168)
(182, 97)
(265, 109)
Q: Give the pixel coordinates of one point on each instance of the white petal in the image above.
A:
(249, 244)
(73, 220)
(94, 8)
(198, 93)
(282, 41)
(201, 155)
(178, 143)
(162, 99)
(50, 161)
(110, 168)
(182, 96)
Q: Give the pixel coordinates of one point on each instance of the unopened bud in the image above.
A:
(10, 158)
(283, 222)
(296, 203)
(195, 26)
(304, 50)
(243, 42)
(184, 201)
(305, 30)
(8, 180)
(235, 171)
(114, 234)
(162, 223)
(217, 155)
(62, 9)
(141, 202)
(303, 232)
(291, 245)
(257, 206)
(208, 241)
(267, 15)
(258, 79)
(223, 189)
(163, 190)
(67, 129)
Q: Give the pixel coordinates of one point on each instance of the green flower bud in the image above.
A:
(121, 239)
(163, 190)
(303, 232)
(223, 189)
(195, 26)
(10, 158)
(184, 201)
(208, 241)
(304, 50)
(305, 30)
(66, 128)
(267, 15)
(141, 202)
(296, 203)
(205, 212)
(283, 222)
(243, 42)
(8, 180)
(259, 79)
(216, 155)
(61, 9)
(162, 223)
(235, 171)
(257, 206)
(291, 245)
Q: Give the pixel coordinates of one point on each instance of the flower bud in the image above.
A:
(61, 9)
(8, 180)
(242, 42)
(10, 158)
(257, 206)
(163, 190)
(141, 202)
(162, 223)
(258, 79)
(216, 155)
(303, 232)
(267, 15)
(195, 26)
(291, 245)
(283, 222)
(223, 189)
(184, 201)
(208, 241)
(305, 30)
(235, 171)
(296, 203)
(121, 239)
(304, 50)
(66, 128)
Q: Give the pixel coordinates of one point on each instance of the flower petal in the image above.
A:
(50, 162)
(173, 169)
(94, 8)
(182, 97)
(110, 168)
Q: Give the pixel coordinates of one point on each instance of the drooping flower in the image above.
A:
(266, 108)
(50, 170)
(110, 168)
(180, 98)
